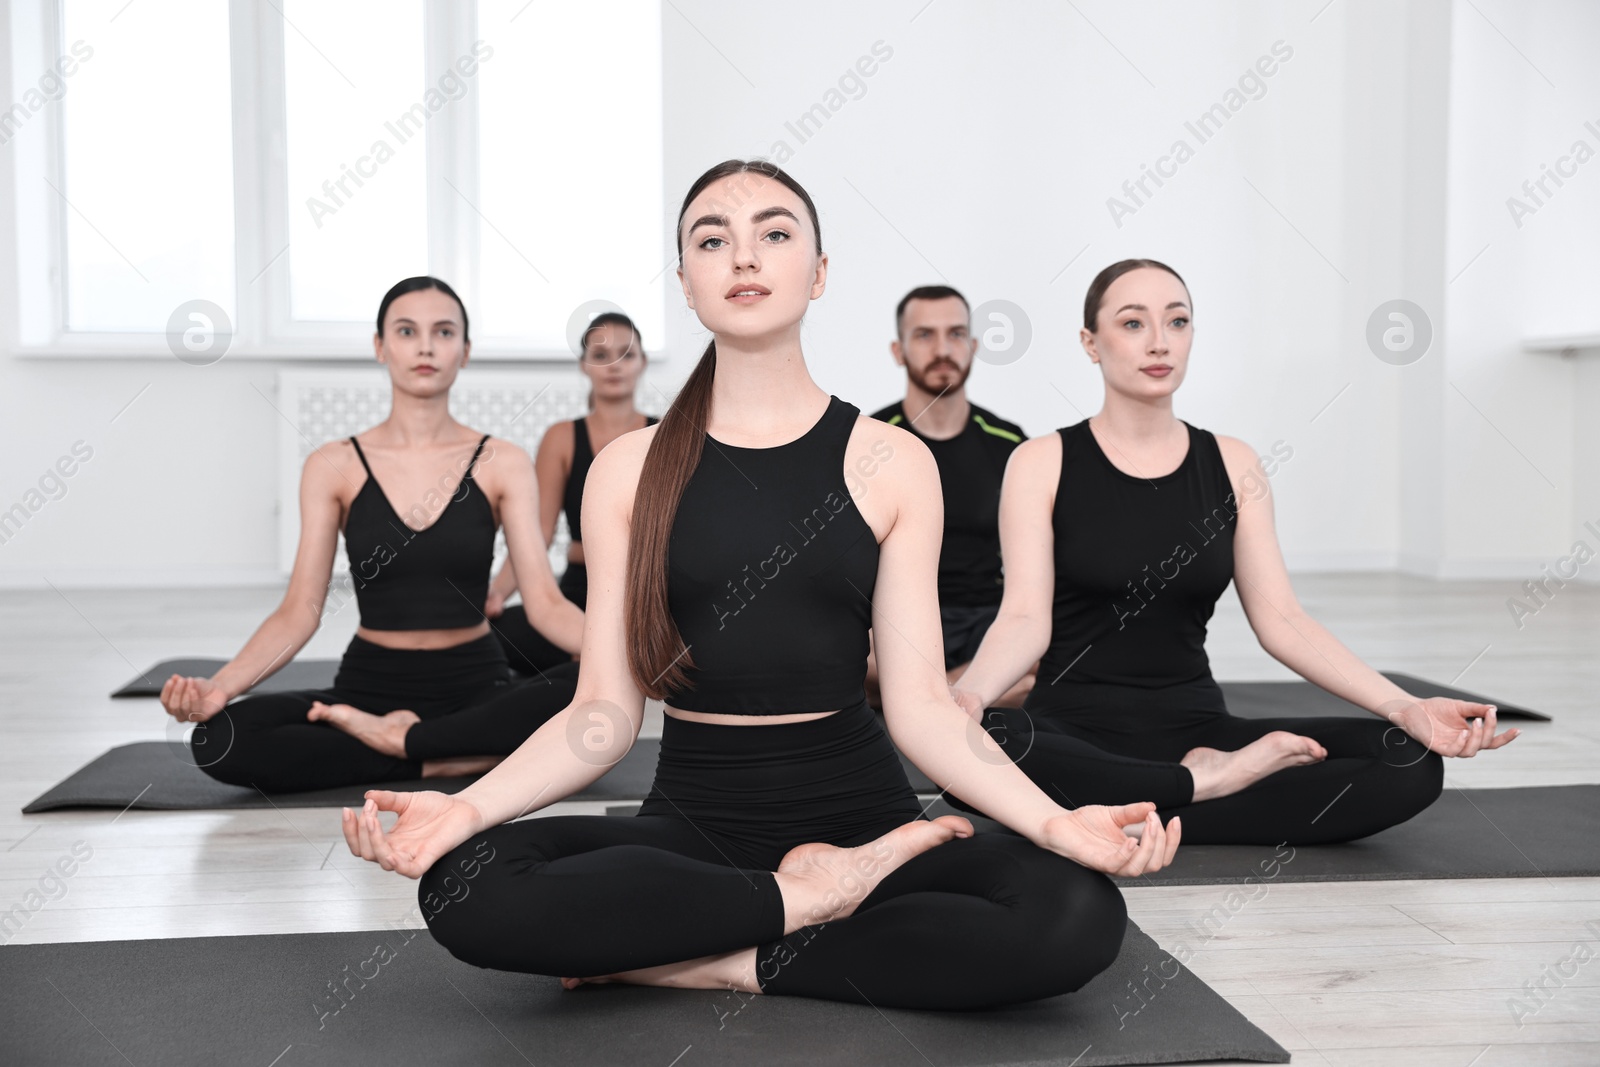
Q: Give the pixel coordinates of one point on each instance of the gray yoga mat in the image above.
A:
(160, 775)
(1270, 700)
(272, 1000)
(296, 674)
(1527, 832)
(1254, 700)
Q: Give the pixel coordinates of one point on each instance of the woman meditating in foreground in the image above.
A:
(1137, 522)
(781, 849)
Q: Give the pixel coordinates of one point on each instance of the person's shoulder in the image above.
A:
(886, 438)
(502, 448)
(559, 436)
(895, 457)
(994, 426)
(1037, 449)
(1033, 468)
(894, 414)
(629, 448)
(333, 462)
(1237, 455)
(500, 465)
(336, 450)
(613, 477)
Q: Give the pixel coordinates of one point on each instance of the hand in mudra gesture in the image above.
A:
(1100, 837)
(192, 699)
(1449, 726)
(430, 824)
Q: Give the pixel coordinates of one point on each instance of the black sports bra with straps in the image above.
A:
(428, 579)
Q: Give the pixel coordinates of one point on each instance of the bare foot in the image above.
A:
(821, 882)
(385, 733)
(730, 970)
(1219, 774)
(459, 765)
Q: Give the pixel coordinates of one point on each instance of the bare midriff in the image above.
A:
(424, 640)
(723, 719)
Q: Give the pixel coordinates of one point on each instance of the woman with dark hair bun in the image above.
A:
(738, 552)
(1119, 534)
(611, 353)
(423, 689)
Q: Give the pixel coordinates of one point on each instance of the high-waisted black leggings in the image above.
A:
(528, 650)
(1375, 776)
(464, 695)
(972, 923)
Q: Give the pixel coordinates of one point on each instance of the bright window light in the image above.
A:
(570, 182)
(357, 153)
(147, 162)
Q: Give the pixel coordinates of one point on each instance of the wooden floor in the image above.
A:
(1418, 973)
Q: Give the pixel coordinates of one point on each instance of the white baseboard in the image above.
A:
(128, 578)
(1310, 563)
(1504, 569)
(1340, 562)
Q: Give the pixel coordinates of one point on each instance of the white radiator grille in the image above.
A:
(516, 406)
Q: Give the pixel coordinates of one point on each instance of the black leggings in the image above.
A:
(528, 650)
(464, 695)
(1375, 776)
(972, 923)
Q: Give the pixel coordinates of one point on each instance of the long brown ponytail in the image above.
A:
(657, 657)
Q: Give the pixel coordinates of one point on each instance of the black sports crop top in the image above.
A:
(1140, 563)
(582, 458)
(972, 465)
(770, 571)
(430, 579)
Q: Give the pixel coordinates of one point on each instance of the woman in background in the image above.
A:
(423, 688)
(612, 355)
(1119, 534)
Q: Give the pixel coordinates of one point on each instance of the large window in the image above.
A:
(288, 160)
(147, 184)
(356, 153)
(567, 179)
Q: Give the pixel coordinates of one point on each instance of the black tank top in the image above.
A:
(769, 576)
(1140, 563)
(972, 465)
(582, 458)
(431, 579)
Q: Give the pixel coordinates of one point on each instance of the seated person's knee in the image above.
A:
(214, 748)
(444, 898)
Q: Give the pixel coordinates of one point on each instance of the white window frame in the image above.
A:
(264, 328)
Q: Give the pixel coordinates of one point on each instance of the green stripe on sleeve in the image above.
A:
(997, 431)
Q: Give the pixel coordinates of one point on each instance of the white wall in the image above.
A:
(982, 153)
(985, 152)
(1509, 466)
(1557, 272)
